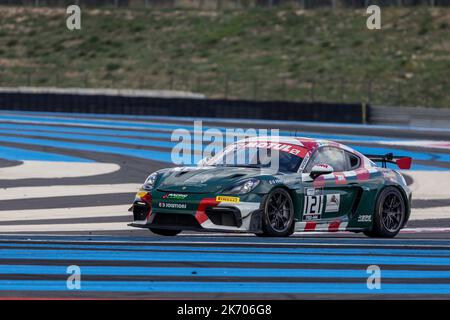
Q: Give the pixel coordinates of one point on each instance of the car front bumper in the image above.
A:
(198, 214)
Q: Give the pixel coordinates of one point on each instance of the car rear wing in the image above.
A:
(401, 161)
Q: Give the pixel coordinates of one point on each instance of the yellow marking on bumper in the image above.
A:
(228, 199)
(141, 194)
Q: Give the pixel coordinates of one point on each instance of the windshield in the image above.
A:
(279, 156)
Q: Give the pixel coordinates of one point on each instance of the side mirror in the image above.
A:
(320, 169)
(203, 162)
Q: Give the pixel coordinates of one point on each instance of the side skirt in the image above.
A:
(332, 226)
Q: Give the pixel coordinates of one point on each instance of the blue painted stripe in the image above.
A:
(160, 132)
(221, 272)
(97, 123)
(169, 144)
(105, 255)
(23, 154)
(167, 135)
(165, 156)
(170, 126)
(88, 130)
(146, 154)
(340, 250)
(205, 238)
(364, 149)
(226, 287)
(234, 120)
(18, 154)
(87, 137)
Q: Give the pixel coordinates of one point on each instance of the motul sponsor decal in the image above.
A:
(284, 147)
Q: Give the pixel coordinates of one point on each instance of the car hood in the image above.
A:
(204, 179)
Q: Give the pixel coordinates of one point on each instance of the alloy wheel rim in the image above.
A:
(392, 212)
(279, 211)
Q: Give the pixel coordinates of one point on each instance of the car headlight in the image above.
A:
(150, 181)
(243, 187)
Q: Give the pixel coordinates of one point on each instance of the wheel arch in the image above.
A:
(404, 196)
(294, 197)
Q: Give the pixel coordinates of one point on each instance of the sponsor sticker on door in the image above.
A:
(333, 202)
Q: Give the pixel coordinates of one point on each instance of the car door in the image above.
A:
(329, 196)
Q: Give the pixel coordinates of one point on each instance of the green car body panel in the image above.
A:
(197, 198)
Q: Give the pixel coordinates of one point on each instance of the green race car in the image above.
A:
(316, 185)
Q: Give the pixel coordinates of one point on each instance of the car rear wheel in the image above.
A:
(165, 232)
(390, 213)
(278, 217)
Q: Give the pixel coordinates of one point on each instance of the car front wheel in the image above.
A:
(278, 217)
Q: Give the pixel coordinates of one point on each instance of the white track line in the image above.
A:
(439, 144)
(56, 169)
(66, 190)
(430, 185)
(430, 213)
(425, 230)
(73, 227)
(65, 213)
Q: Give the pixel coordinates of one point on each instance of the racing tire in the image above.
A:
(165, 232)
(278, 214)
(390, 214)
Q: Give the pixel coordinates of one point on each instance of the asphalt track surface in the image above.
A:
(78, 174)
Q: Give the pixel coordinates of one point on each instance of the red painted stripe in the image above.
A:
(311, 145)
(319, 182)
(362, 174)
(200, 215)
(148, 199)
(334, 226)
(340, 178)
(310, 226)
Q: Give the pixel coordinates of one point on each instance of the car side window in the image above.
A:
(329, 155)
(353, 161)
